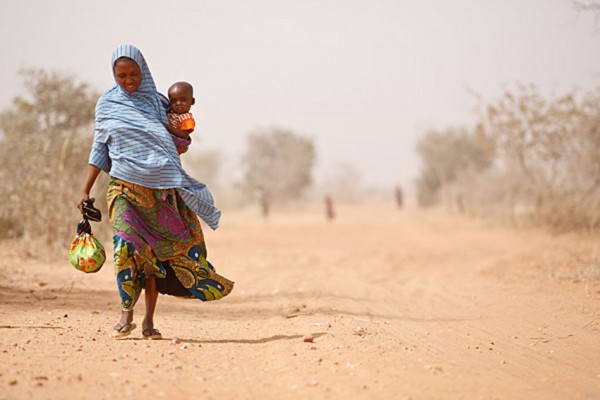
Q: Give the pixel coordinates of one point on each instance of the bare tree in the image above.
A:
(278, 162)
(344, 182)
(589, 6)
(44, 144)
(204, 165)
(445, 155)
(548, 149)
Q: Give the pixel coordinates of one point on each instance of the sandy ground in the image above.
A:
(399, 305)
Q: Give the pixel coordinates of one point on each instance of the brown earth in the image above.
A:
(399, 305)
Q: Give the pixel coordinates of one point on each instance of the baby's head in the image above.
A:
(181, 97)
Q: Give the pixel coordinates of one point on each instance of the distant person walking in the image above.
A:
(329, 211)
(152, 202)
(263, 199)
(399, 196)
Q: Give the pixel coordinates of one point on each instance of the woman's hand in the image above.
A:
(90, 178)
(84, 197)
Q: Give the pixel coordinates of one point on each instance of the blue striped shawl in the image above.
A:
(130, 142)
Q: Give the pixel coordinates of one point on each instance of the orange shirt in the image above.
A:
(185, 122)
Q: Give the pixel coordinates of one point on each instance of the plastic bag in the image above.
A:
(87, 253)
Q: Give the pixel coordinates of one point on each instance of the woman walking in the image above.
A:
(152, 201)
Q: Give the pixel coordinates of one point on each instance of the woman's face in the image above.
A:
(128, 75)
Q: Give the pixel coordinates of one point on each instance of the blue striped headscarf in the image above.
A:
(131, 143)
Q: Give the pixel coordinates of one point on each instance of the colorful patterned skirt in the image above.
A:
(157, 236)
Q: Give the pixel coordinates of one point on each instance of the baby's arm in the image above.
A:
(178, 132)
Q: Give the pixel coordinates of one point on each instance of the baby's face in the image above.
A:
(181, 98)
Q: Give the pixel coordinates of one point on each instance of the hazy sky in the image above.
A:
(363, 78)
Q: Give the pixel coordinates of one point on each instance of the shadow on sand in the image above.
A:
(230, 308)
(234, 341)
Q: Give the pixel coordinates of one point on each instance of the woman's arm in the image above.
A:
(90, 179)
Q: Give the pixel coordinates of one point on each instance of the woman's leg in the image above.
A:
(126, 317)
(151, 297)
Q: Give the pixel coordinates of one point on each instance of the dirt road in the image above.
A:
(398, 305)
